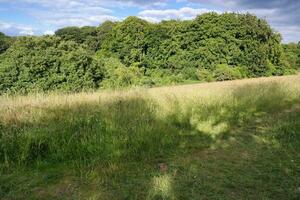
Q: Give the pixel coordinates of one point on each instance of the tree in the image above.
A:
(48, 63)
(76, 34)
(5, 42)
(127, 40)
(132, 52)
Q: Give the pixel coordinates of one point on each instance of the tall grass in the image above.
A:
(130, 127)
(123, 129)
(137, 127)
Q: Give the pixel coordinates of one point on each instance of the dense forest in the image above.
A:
(136, 52)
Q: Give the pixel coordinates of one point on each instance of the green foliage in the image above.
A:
(127, 40)
(92, 37)
(102, 32)
(47, 63)
(228, 46)
(118, 75)
(5, 42)
(224, 72)
(204, 75)
(209, 40)
(76, 34)
(292, 55)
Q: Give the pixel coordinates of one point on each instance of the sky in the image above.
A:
(39, 17)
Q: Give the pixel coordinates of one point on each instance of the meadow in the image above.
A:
(226, 140)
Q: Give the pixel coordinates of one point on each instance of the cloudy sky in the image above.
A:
(37, 17)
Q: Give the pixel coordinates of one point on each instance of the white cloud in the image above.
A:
(183, 13)
(49, 32)
(26, 32)
(289, 33)
(62, 20)
(71, 13)
(16, 29)
(139, 3)
(5, 26)
(54, 14)
(59, 13)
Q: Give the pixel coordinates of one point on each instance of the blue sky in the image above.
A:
(38, 17)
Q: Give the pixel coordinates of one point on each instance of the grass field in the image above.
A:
(225, 140)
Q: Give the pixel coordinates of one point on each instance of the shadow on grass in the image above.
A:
(255, 134)
(208, 148)
(123, 130)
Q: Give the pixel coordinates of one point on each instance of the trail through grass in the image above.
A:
(232, 140)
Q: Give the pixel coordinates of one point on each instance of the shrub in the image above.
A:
(34, 64)
(117, 75)
(189, 73)
(223, 72)
(204, 75)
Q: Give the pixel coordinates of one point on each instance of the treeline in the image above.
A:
(135, 52)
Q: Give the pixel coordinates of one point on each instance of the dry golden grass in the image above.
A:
(219, 88)
(19, 107)
(181, 91)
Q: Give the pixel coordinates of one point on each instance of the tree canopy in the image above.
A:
(136, 52)
(48, 63)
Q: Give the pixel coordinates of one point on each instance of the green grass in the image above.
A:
(244, 144)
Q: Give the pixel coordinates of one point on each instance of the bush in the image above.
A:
(204, 75)
(35, 64)
(223, 73)
(174, 79)
(189, 73)
(117, 75)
